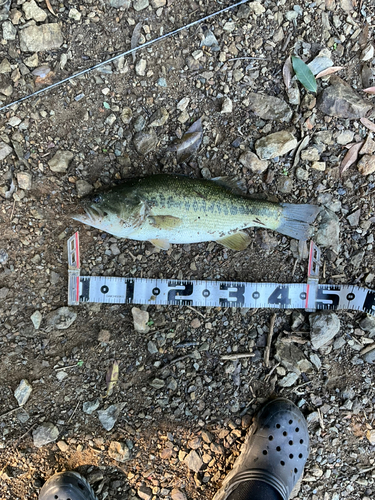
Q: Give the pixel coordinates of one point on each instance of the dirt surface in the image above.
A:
(175, 392)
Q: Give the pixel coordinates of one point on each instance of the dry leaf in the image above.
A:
(49, 7)
(190, 142)
(135, 38)
(329, 71)
(368, 124)
(288, 72)
(369, 90)
(350, 157)
(111, 378)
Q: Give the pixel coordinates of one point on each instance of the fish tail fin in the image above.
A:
(296, 220)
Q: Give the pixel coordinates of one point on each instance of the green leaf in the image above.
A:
(304, 74)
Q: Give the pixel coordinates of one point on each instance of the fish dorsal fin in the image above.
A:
(237, 241)
(162, 244)
(231, 183)
(165, 221)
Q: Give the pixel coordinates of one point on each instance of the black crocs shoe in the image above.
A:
(67, 485)
(275, 451)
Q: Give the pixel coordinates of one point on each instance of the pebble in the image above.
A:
(257, 8)
(159, 118)
(119, 451)
(44, 434)
(274, 145)
(144, 492)
(340, 100)
(140, 4)
(60, 162)
(193, 461)
(32, 11)
(41, 38)
(310, 154)
(3, 256)
(5, 66)
(353, 218)
(109, 416)
(36, 318)
(366, 165)
(9, 31)
(61, 318)
(285, 185)
(177, 494)
(90, 406)
(195, 323)
(83, 188)
(269, 107)
(140, 319)
(369, 357)
(288, 380)
(345, 137)
(23, 392)
(319, 165)
(75, 14)
(145, 142)
(152, 348)
(140, 67)
(292, 358)
(252, 162)
(63, 446)
(5, 150)
(126, 115)
(368, 325)
(328, 231)
(24, 180)
(118, 4)
(157, 383)
(32, 61)
(183, 103)
(227, 105)
(324, 325)
(60, 375)
(139, 123)
(370, 434)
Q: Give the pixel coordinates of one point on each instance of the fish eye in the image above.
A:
(97, 198)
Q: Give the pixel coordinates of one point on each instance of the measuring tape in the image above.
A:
(310, 296)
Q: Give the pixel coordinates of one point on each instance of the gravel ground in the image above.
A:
(178, 415)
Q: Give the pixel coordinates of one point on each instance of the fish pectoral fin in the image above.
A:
(162, 244)
(165, 221)
(237, 241)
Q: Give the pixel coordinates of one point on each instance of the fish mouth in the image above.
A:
(93, 215)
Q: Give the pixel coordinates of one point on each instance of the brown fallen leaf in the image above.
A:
(135, 38)
(350, 157)
(369, 90)
(368, 124)
(190, 142)
(49, 7)
(288, 72)
(329, 71)
(111, 378)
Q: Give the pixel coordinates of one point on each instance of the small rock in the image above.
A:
(285, 185)
(110, 120)
(144, 492)
(345, 137)
(41, 38)
(90, 406)
(5, 150)
(371, 436)
(292, 358)
(324, 325)
(252, 162)
(183, 103)
(60, 375)
(340, 100)
(5, 87)
(353, 218)
(32, 61)
(109, 416)
(63, 446)
(3, 292)
(269, 107)
(140, 67)
(369, 357)
(274, 145)
(227, 105)
(315, 360)
(23, 391)
(257, 8)
(319, 165)
(75, 14)
(368, 147)
(32, 11)
(195, 323)
(368, 325)
(367, 53)
(288, 380)
(193, 461)
(328, 231)
(310, 154)
(9, 31)
(320, 63)
(157, 383)
(24, 180)
(126, 115)
(151, 347)
(60, 162)
(5, 66)
(44, 434)
(177, 494)
(140, 4)
(3, 256)
(140, 319)
(36, 318)
(61, 318)
(194, 443)
(156, 4)
(117, 4)
(83, 188)
(145, 142)
(119, 451)
(159, 118)
(366, 164)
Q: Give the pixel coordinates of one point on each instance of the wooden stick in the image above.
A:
(238, 356)
(269, 341)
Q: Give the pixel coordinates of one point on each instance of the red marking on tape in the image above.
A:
(77, 249)
(307, 296)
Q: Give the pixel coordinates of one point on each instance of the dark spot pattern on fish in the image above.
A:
(187, 206)
(170, 202)
(233, 210)
(195, 206)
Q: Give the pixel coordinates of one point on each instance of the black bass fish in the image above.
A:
(166, 209)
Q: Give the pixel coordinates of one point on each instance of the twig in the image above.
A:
(268, 376)
(238, 356)
(192, 309)
(248, 57)
(65, 367)
(126, 53)
(269, 340)
(73, 412)
(11, 215)
(10, 411)
(367, 349)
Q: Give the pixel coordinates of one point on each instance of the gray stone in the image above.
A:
(310, 154)
(159, 118)
(32, 11)
(353, 218)
(83, 188)
(366, 165)
(75, 14)
(60, 375)
(5, 86)
(274, 145)
(157, 383)
(140, 319)
(140, 4)
(4, 9)
(22, 415)
(5, 66)
(119, 451)
(328, 231)
(41, 38)
(368, 325)
(193, 461)
(145, 142)
(324, 325)
(24, 180)
(36, 318)
(44, 434)
(60, 162)
(61, 318)
(5, 150)
(9, 31)
(252, 162)
(23, 391)
(118, 4)
(345, 137)
(292, 358)
(109, 416)
(140, 67)
(126, 115)
(90, 406)
(139, 123)
(340, 100)
(156, 4)
(289, 380)
(314, 358)
(285, 184)
(151, 347)
(4, 292)
(369, 357)
(269, 107)
(320, 63)
(227, 105)
(144, 492)
(177, 494)
(3, 256)
(302, 174)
